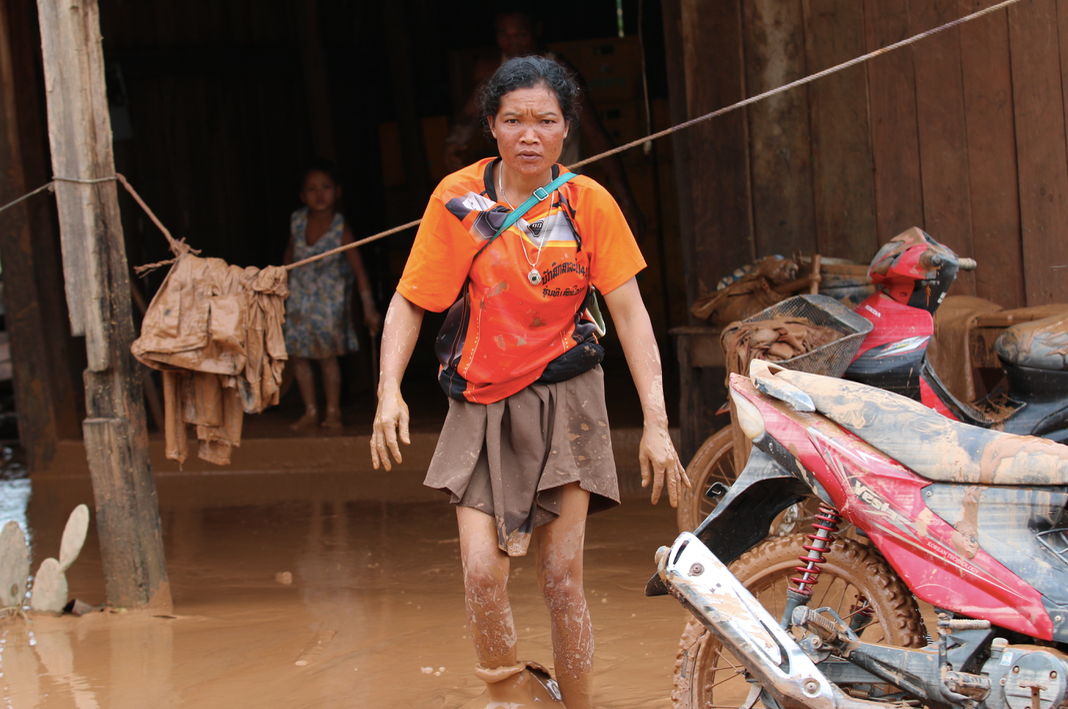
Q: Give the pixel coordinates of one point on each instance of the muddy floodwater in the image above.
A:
(294, 590)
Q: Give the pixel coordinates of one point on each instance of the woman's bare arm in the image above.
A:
(657, 457)
(399, 335)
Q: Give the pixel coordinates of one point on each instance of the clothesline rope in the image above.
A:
(179, 247)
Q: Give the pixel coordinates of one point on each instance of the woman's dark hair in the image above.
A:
(326, 167)
(526, 73)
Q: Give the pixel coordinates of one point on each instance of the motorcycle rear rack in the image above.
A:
(1056, 540)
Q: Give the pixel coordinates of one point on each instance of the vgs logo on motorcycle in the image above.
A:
(868, 496)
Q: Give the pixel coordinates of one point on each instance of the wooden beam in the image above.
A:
(715, 77)
(843, 184)
(992, 173)
(679, 112)
(65, 377)
(1040, 148)
(943, 133)
(398, 31)
(94, 262)
(895, 135)
(316, 87)
(779, 138)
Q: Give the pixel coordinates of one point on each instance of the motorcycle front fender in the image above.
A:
(771, 481)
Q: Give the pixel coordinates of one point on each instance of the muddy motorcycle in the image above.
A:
(912, 273)
(970, 520)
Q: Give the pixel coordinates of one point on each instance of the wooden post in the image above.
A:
(722, 237)
(98, 296)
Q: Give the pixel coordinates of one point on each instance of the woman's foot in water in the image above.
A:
(309, 419)
(521, 685)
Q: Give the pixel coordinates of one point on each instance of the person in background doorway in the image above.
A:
(517, 35)
(525, 452)
(318, 323)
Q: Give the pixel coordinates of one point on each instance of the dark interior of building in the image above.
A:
(217, 106)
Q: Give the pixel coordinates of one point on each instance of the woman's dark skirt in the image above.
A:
(511, 459)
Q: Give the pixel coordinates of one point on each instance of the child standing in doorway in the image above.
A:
(318, 322)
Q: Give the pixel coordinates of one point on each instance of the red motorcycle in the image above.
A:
(912, 273)
(969, 520)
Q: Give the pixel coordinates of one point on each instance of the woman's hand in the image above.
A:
(391, 416)
(656, 455)
(398, 340)
(660, 464)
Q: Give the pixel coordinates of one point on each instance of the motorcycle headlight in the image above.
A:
(747, 415)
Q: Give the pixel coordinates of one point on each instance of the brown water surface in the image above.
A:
(372, 614)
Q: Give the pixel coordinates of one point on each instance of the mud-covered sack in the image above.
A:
(749, 294)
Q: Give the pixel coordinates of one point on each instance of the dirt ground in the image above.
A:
(373, 615)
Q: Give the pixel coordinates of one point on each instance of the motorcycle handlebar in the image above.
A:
(966, 264)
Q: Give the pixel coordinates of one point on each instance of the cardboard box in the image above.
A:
(611, 67)
(624, 121)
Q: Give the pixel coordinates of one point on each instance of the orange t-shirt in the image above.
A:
(509, 327)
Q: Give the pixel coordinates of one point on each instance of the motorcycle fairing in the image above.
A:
(1005, 521)
(767, 485)
(886, 501)
(765, 488)
(937, 448)
(897, 329)
(915, 269)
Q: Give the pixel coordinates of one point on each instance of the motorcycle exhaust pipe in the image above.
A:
(711, 592)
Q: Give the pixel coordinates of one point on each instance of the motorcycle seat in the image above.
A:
(1041, 344)
(933, 446)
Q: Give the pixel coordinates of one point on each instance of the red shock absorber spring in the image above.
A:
(825, 525)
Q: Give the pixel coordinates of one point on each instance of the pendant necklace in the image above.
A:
(533, 276)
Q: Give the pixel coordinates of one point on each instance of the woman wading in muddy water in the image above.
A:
(525, 451)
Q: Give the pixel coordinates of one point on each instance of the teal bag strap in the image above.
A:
(539, 195)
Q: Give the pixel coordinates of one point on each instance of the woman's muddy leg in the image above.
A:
(559, 546)
(486, 567)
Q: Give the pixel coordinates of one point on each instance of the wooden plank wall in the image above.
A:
(718, 174)
(963, 134)
(221, 123)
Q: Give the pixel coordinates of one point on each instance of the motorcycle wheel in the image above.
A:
(713, 462)
(706, 677)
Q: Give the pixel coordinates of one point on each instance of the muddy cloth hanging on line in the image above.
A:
(215, 331)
